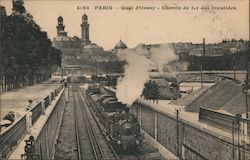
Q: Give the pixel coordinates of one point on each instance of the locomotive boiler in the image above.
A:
(121, 126)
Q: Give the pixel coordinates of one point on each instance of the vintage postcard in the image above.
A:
(117, 79)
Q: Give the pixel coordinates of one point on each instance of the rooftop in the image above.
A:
(120, 45)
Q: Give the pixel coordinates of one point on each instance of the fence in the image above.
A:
(216, 119)
(11, 136)
(222, 121)
(184, 139)
(187, 140)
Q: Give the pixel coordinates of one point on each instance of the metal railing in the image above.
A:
(37, 110)
(11, 136)
(216, 119)
(220, 120)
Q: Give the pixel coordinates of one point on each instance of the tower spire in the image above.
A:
(85, 29)
(60, 27)
(247, 87)
(18, 7)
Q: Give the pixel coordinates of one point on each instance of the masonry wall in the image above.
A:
(45, 141)
(148, 121)
(186, 141)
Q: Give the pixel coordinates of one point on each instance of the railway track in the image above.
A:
(67, 147)
(97, 150)
(112, 150)
(77, 133)
(133, 156)
(81, 135)
(92, 143)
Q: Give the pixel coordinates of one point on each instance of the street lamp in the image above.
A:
(238, 119)
(202, 57)
(177, 111)
(234, 67)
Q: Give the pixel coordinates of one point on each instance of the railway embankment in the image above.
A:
(66, 146)
(185, 136)
(44, 129)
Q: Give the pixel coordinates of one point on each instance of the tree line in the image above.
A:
(26, 52)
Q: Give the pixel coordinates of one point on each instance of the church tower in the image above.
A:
(60, 27)
(18, 7)
(85, 29)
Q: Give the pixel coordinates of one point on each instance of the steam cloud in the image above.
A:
(139, 62)
(130, 87)
(162, 56)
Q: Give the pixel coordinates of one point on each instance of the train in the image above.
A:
(121, 127)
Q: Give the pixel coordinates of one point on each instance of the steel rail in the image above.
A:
(110, 146)
(92, 135)
(77, 131)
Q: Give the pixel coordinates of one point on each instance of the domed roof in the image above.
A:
(121, 45)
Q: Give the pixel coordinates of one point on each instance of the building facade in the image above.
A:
(80, 55)
(75, 51)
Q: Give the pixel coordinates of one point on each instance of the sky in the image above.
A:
(107, 27)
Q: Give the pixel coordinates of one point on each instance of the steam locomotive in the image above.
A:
(121, 126)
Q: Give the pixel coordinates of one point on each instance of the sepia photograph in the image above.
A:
(124, 79)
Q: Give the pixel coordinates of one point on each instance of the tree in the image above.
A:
(26, 51)
(151, 91)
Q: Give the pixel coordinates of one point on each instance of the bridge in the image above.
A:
(212, 76)
(184, 76)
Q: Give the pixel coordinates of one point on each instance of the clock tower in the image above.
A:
(18, 7)
(85, 29)
(60, 27)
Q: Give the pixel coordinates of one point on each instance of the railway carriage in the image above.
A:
(121, 126)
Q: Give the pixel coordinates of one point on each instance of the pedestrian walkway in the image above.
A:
(17, 100)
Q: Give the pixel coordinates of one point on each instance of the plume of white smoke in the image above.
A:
(163, 55)
(130, 87)
(139, 62)
(176, 66)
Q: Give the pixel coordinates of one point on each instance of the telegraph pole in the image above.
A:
(247, 85)
(234, 67)
(177, 130)
(109, 79)
(202, 57)
(108, 68)
(96, 70)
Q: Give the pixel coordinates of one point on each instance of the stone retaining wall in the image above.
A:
(46, 139)
(187, 141)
